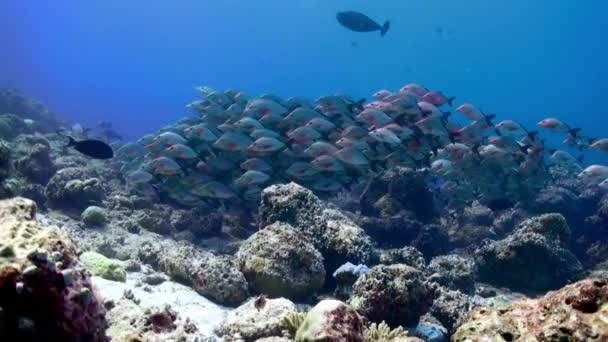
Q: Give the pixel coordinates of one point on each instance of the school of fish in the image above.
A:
(237, 145)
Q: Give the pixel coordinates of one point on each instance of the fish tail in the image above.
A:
(451, 100)
(574, 132)
(385, 28)
(71, 141)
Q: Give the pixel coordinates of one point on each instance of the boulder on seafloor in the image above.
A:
(390, 232)
(94, 216)
(331, 320)
(11, 126)
(407, 255)
(452, 271)
(257, 318)
(404, 186)
(36, 165)
(215, 277)
(576, 312)
(534, 257)
(156, 220)
(451, 307)
(554, 199)
(73, 189)
(280, 262)
(45, 292)
(395, 294)
(103, 267)
(202, 222)
(5, 160)
(337, 238)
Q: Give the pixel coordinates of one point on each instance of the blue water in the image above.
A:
(136, 63)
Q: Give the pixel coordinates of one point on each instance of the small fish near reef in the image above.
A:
(360, 22)
(93, 148)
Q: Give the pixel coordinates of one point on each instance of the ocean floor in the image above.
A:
(85, 257)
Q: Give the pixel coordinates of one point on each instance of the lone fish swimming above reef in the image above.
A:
(359, 22)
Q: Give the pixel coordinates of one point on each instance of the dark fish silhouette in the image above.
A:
(93, 148)
(359, 22)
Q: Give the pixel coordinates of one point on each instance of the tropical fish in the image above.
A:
(266, 145)
(93, 148)
(232, 142)
(180, 151)
(252, 177)
(359, 22)
(215, 190)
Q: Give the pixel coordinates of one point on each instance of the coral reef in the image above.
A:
(44, 291)
(280, 262)
(94, 216)
(534, 257)
(331, 320)
(215, 277)
(250, 322)
(201, 221)
(395, 294)
(103, 267)
(452, 271)
(575, 313)
(407, 255)
(337, 238)
(401, 188)
(75, 189)
(36, 165)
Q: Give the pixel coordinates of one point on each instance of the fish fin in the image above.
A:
(574, 131)
(357, 105)
(591, 140)
(451, 100)
(475, 148)
(385, 28)
(71, 141)
(489, 119)
(532, 134)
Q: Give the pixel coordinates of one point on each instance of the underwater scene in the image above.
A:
(306, 170)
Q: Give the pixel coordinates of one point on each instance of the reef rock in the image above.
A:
(390, 232)
(215, 277)
(255, 319)
(451, 308)
(404, 186)
(407, 255)
(577, 312)
(533, 257)
(395, 294)
(94, 216)
(202, 222)
(331, 320)
(11, 126)
(45, 292)
(74, 189)
(5, 159)
(338, 238)
(280, 262)
(36, 165)
(452, 271)
(156, 220)
(101, 266)
(553, 199)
